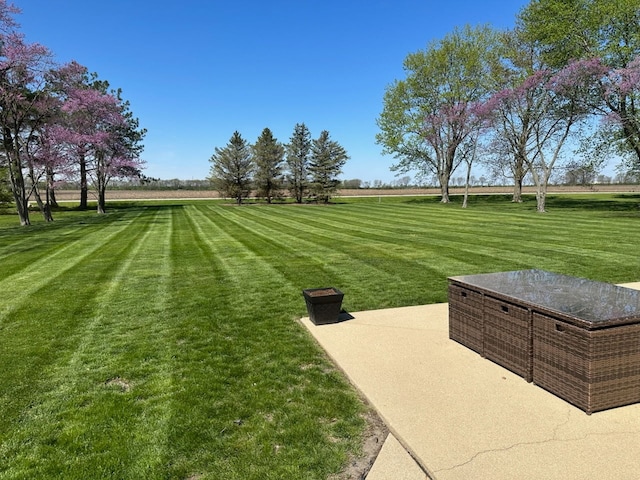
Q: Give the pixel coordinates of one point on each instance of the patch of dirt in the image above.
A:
(119, 383)
(374, 436)
(321, 292)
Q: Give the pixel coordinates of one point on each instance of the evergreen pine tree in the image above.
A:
(298, 152)
(268, 157)
(232, 168)
(327, 159)
(5, 186)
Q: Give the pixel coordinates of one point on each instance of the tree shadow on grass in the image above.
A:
(72, 217)
(456, 200)
(597, 202)
(604, 203)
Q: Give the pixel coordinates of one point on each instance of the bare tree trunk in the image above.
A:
(541, 182)
(43, 206)
(443, 178)
(469, 162)
(541, 198)
(517, 191)
(51, 195)
(466, 186)
(22, 201)
(84, 186)
(299, 189)
(51, 192)
(101, 181)
(18, 187)
(519, 171)
(35, 191)
(444, 172)
(101, 200)
(444, 188)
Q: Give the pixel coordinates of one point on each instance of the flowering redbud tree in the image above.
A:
(600, 37)
(537, 118)
(452, 133)
(102, 136)
(614, 94)
(429, 115)
(22, 103)
(58, 121)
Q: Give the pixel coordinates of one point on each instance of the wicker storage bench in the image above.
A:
(577, 338)
(466, 317)
(507, 336)
(592, 369)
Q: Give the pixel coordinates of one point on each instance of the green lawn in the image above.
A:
(159, 341)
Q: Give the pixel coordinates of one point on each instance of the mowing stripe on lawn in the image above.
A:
(251, 345)
(33, 276)
(75, 386)
(330, 257)
(163, 343)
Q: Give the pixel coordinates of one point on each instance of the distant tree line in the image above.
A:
(305, 168)
(565, 79)
(58, 122)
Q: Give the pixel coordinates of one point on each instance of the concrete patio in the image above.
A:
(454, 415)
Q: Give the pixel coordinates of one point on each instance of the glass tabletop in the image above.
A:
(594, 302)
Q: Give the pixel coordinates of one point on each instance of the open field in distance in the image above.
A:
(71, 195)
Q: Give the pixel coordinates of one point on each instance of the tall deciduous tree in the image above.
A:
(327, 159)
(42, 155)
(232, 168)
(65, 82)
(101, 133)
(425, 117)
(511, 144)
(579, 32)
(268, 158)
(22, 103)
(121, 158)
(298, 151)
(551, 105)
(45, 112)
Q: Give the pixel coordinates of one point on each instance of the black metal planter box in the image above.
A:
(323, 304)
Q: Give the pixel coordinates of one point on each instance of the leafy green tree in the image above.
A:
(513, 122)
(603, 36)
(567, 30)
(430, 114)
(268, 157)
(232, 168)
(298, 151)
(327, 159)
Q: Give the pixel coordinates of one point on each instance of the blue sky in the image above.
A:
(195, 71)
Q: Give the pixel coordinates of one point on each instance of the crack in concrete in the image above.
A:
(554, 438)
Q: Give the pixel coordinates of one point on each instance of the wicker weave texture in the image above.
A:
(466, 318)
(592, 369)
(507, 336)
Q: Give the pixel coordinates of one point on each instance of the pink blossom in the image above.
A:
(579, 73)
(624, 81)
(7, 10)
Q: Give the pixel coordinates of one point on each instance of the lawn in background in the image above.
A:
(161, 341)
